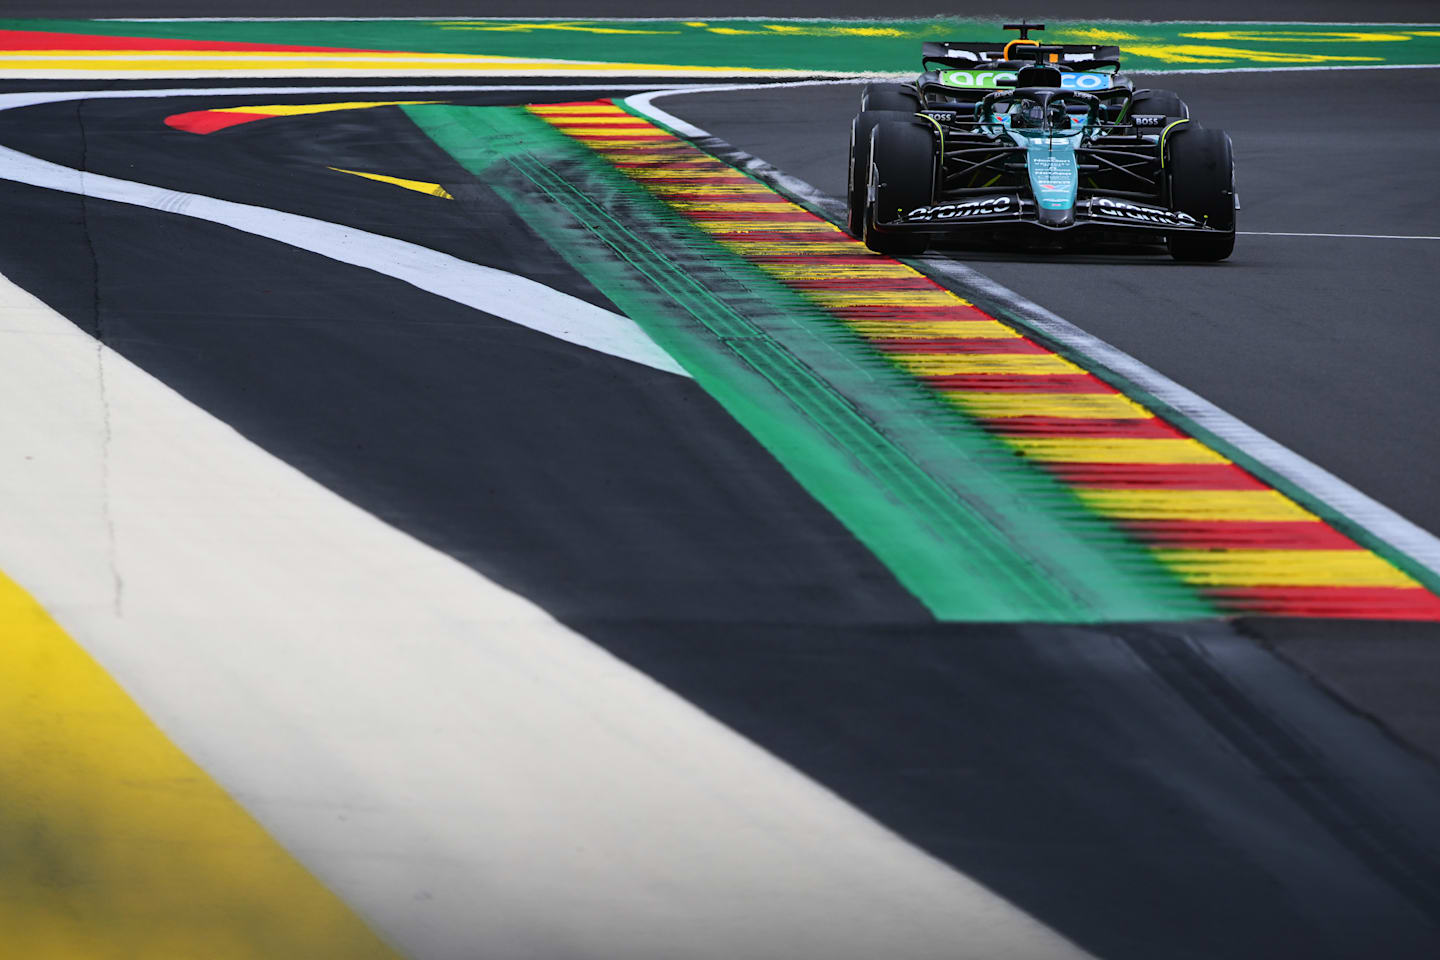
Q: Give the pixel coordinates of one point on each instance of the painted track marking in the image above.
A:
(1337, 236)
(496, 292)
(116, 843)
(475, 778)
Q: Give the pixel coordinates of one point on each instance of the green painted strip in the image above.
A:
(858, 46)
(972, 530)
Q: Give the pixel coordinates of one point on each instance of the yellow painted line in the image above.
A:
(298, 109)
(926, 329)
(1115, 450)
(114, 844)
(944, 364)
(1254, 506)
(1284, 568)
(419, 186)
(876, 270)
(887, 298)
(204, 63)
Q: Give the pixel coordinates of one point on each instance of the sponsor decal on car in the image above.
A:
(990, 79)
(1140, 213)
(967, 209)
(980, 56)
(1148, 119)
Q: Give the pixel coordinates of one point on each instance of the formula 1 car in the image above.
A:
(1025, 140)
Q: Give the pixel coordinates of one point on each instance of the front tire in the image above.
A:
(902, 163)
(859, 174)
(1202, 184)
(1167, 103)
(900, 97)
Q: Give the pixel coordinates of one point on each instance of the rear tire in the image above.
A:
(890, 96)
(902, 161)
(1202, 184)
(1166, 103)
(859, 175)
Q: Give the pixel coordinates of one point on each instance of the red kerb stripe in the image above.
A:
(1170, 476)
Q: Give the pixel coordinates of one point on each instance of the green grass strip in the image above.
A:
(967, 526)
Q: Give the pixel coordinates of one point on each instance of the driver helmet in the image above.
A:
(1027, 114)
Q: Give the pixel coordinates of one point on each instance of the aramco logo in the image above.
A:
(990, 79)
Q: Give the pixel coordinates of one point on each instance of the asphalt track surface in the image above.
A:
(1322, 343)
(1143, 790)
(1147, 791)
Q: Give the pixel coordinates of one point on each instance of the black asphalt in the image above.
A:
(592, 485)
(1147, 791)
(1325, 344)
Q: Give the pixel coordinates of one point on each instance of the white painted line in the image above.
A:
(644, 103)
(475, 778)
(496, 292)
(1337, 236)
(1378, 520)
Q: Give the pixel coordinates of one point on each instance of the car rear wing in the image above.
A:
(961, 53)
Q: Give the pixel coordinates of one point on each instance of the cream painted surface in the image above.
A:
(470, 775)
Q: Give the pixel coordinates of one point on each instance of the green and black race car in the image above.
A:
(1023, 138)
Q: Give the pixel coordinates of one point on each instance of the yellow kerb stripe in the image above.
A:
(734, 206)
(943, 364)
(887, 298)
(820, 228)
(597, 120)
(783, 248)
(115, 844)
(566, 109)
(1114, 450)
(613, 134)
(668, 173)
(716, 188)
(1284, 568)
(1009, 403)
(1256, 506)
(875, 270)
(926, 329)
(600, 143)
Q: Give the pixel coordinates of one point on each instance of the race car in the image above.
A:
(1024, 140)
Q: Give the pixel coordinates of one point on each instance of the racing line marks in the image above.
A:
(1244, 546)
